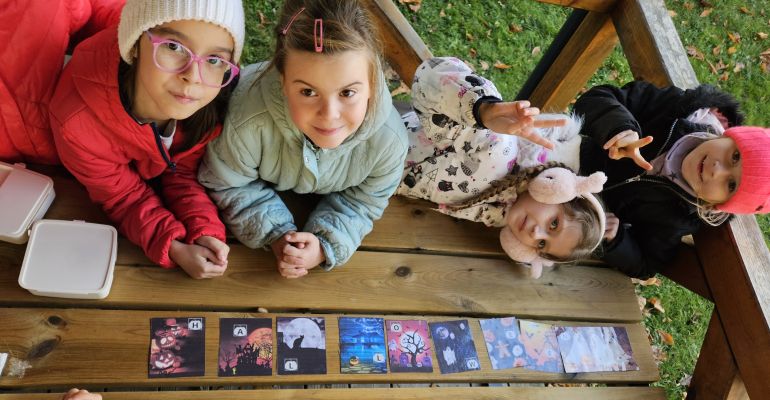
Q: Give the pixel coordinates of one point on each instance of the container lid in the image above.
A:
(22, 193)
(69, 259)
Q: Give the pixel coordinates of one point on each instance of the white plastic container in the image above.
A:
(72, 259)
(24, 198)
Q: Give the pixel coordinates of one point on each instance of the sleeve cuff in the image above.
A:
(478, 103)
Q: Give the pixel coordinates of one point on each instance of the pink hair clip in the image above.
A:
(318, 35)
(291, 21)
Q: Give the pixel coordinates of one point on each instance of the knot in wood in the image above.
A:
(403, 271)
(417, 212)
(57, 321)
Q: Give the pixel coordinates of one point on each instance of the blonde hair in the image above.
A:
(347, 26)
(578, 209)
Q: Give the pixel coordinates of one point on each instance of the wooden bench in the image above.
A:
(415, 263)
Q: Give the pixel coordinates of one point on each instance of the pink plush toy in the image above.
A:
(554, 186)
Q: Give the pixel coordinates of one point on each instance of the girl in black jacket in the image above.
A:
(673, 162)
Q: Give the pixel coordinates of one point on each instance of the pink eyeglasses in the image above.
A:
(172, 56)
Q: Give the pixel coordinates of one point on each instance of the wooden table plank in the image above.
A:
(496, 393)
(370, 282)
(80, 347)
(576, 63)
(407, 224)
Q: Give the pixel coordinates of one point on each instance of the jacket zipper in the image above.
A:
(660, 181)
(162, 149)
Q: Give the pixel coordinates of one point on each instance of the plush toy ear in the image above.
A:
(517, 251)
(590, 184)
(553, 186)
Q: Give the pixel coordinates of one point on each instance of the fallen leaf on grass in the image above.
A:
(731, 50)
(658, 354)
(761, 35)
(746, 11)
(739, 67)
(441, 13)
(693, 52)
(515, 28)
(734, 36)
(642, 302)
(716, 50)
(657, 304)
(536, 51)
(672, 13)
(469, 36)
(706, 12)
(688, 5)
(472, 52)
(666, 337)
(685, 381)
(484, 65)
(717, 68)
(654, 281)
(705, 3)
(500, 65)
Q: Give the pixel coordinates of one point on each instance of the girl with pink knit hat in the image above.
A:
(675, 160)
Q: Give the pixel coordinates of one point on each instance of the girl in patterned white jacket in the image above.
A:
(473, 155)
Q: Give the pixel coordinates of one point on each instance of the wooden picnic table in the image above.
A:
(415, 263)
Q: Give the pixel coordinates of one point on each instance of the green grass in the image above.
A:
(517, 33)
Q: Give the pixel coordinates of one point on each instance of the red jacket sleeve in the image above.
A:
(187, 199)
(128, 201)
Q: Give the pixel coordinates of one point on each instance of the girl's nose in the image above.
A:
(718, 170)
(192, 74)
(329, 109)
(537, 233)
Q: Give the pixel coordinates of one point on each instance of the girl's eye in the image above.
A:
(555, 223)
(216, 62)
(307, 92)
(348, 93)
(174, 47)
(541, 245)
(736, 157)
(732, 186)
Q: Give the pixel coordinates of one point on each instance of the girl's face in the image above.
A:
(327, 96)
(544, 227)
(161, 96)
(713, 169)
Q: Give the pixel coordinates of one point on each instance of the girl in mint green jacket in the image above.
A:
(317, 119)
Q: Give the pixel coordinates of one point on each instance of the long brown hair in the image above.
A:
(347, 26)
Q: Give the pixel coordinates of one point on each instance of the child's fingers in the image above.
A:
(615, 139)
(533, 137)
(640, 161)
(549, 123)
(300, 237)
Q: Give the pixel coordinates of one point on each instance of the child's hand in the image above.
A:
(517, 118)
(81, 394)
(297, 253)
(611, 227)
(196, 260)
(627, 144)
(218, 247)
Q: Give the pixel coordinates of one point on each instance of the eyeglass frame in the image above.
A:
(157, 41)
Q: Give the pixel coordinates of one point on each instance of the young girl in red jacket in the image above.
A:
(132, 113)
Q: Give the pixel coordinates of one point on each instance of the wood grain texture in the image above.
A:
(482, 393)
(583, 54)
(651, 43)
(79, 347)
(404, 49)
(736, 263)
(370, 282)
(709, 382)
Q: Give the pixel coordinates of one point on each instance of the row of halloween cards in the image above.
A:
(368, 345)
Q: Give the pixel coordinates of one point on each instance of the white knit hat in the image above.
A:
(140, 15)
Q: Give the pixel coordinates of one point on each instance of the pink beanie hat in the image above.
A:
(753, 193)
